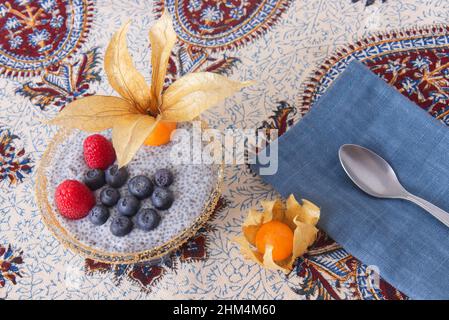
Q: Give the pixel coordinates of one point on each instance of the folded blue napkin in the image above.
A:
(408, 246)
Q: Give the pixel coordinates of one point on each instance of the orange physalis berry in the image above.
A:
(161, 134)
(279, 236)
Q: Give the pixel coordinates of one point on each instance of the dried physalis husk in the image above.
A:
(301, 219)
(128, 135)
(134, 115)
(93, 114)
(196, 92)
(123, 75)
(162, 39)
(307, 212)
(251, 225)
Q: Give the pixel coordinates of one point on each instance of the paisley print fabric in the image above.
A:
(15, 164)
(51, 52)
(38, 34)
(222, 24)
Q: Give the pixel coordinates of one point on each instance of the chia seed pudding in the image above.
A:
(192, 187)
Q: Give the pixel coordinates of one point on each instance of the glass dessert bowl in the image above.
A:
(196, 190)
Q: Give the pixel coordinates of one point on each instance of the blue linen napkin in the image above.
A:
(408, 246)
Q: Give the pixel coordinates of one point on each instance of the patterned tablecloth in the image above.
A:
(51, 53)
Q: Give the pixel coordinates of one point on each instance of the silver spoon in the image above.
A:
(375, 176)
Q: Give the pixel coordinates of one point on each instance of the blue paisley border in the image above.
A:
(391, 41)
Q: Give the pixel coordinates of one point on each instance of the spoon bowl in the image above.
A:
(371, 173)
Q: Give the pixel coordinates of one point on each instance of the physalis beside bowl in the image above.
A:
(280, 234)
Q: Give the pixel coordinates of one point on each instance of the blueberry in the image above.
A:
(163, 178)
(121, 226)
(94, 179)
(98, 215)
(116, 177)
(147, 219)
(162, 198)
(128, 206)
(141, 187)
(109, 196)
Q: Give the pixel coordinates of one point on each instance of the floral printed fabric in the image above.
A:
(46, 67)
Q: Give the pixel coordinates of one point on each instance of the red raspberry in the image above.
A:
(98, 152)
(74, 199)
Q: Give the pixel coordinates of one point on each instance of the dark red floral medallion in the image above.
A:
(15, 164)
(35, 35)
(10, 265)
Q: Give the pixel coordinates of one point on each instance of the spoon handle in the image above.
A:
(438, 213)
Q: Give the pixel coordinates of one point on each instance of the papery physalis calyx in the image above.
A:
(301, 219)
(135, 114)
